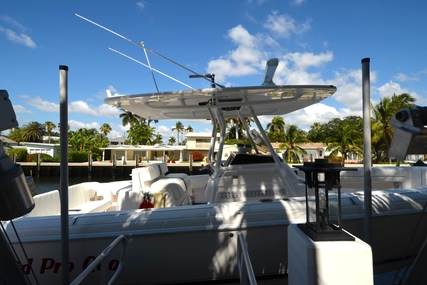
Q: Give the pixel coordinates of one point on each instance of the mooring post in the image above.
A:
(136, 160)
(89, 162)
(38, 164)
(190, 159)
(114, 165)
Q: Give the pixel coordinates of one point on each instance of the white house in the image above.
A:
(47, 148)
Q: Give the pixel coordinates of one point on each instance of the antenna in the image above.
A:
(141, 46)
(207, 75)
(153, 69)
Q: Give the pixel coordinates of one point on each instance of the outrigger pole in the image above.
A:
(149, 66)
(153, 69)
(143, 47)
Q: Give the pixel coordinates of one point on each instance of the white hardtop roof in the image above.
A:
(195, 104)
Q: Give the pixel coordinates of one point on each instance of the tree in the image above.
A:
(87, 140)
(105, 129)
(158, 138)
(49, 126)
(238, 126)
(155, 121)
(347, 139)
(189, 129)
(172, 140)
(386, 109)
(277, 125)
(129, 118)
(179, 128)
(16, 135)
(141, 134)
(33, 132)
(276, 129)
(315, 132)
(293, 136)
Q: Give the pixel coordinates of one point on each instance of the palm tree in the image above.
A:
(105, 129)
(347, 139)
(277, 125)
(386, 109)
(141, 134)
(172, 140)
(49, 127)
(33, 132)
(158, 138)
(155, 121)
(314, 134)
(179, 128)
(189, 129)
(293, 136)
(129, 118)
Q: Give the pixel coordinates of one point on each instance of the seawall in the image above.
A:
(98, 169)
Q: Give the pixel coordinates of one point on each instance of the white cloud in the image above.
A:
(21, 109)
(283, 26)
(241, 61)
(18, 38)
(74, 125)
(140, 5)
(248, 57)
(13, 22)
(403, 77)
(42, 105)
(319, 112)
(108, 111)
(293, 68)
(297, 2)
(81, 107)
(306, 59)
(391, 88)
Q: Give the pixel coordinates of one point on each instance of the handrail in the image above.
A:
(100, 258)
(244, 262)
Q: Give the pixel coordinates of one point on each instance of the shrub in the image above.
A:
(198, 156)
(78, 155)
(21, 154)
(43, 157)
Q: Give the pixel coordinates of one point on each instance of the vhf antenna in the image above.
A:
(207, 76)
(143, 47)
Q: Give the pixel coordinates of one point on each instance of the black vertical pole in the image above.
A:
(63, 113)
(367, 158)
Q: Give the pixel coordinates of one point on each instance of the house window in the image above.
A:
(140, 153)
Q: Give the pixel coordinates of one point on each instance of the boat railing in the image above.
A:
(100, 258)
(246, 272)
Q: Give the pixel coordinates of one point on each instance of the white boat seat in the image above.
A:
(46, 204)
(83, 197)
(153, 179)
(175, 189)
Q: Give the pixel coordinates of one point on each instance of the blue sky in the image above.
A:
(316, 42)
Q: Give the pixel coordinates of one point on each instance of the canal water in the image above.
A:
(46, 184)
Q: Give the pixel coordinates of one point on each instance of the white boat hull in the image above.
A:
(199, 242)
